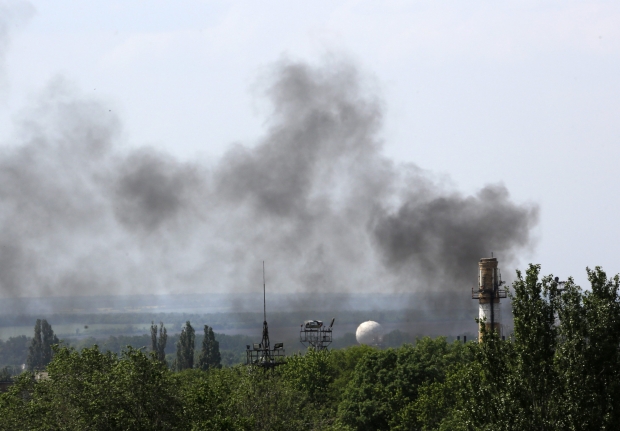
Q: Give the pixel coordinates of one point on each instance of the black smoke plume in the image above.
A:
(81, 213)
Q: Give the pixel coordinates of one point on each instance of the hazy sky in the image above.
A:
(524, 94)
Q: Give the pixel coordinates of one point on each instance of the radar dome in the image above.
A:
(369, 333)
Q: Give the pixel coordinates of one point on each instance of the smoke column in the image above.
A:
(81, 213)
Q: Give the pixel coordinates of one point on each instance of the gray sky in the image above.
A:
(522, 94)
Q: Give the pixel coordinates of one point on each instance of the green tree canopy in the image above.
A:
(561, 368)
(185, 348)
(210, 356)
(386, 381)
(158, 344)
(91, 390)
(40, 351)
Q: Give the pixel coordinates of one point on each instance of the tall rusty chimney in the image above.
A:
(488, 295)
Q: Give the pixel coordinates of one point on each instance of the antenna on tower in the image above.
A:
(264, 295)
(262, 354)
(313, 333)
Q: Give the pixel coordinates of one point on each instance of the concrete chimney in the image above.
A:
(488, 295)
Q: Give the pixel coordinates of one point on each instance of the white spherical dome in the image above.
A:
(369, 333)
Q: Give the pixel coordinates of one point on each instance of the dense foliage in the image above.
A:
(185, 348)
(559, 370)
(158, 342)
(40, 351)
(210, 356)
(14, 351)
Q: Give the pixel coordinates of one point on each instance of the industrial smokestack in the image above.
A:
(488, 295)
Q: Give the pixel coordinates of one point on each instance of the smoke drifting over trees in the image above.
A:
(314, 196)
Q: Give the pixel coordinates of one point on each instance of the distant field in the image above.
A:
(455, 319)
(78, 330)
(288, 332)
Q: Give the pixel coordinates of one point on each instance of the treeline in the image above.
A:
(14, 351)
(560, 370)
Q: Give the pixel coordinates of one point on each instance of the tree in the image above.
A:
(531, 377)
(14, 351)
(343, 363)
(386, 382)
(309, 373)
(40, 351)
(5, 374)
(211, 400)
(158, 344)
(95, 391)
(210, 355)
(310, 376)
(561, 368)
(185, 348)
(588, 357)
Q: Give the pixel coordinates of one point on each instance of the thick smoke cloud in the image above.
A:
(83, 214)
(436, 237)
(152, 190)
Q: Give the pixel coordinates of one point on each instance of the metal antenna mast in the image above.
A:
(262, 354)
